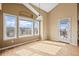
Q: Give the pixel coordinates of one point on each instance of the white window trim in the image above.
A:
(25, 19)
(4, 27)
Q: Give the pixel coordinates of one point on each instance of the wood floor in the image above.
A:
(43, 48)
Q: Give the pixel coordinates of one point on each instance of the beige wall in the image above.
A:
(17, 9)
(0, 6)
(62, 11)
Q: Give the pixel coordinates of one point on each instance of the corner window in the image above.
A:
(9, 26)
(25, 27)
(36, 27)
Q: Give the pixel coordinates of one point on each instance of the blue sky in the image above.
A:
(36, 24)
(63, 24)
(26, 24)
(10, 22)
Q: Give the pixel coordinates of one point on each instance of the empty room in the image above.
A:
(39, 29)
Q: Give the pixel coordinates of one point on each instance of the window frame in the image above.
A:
(24, 19)
(5, 37)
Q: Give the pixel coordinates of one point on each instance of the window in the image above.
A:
(36, 27)
(9, 26)
(25, 27)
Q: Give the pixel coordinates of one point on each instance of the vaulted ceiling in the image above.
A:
(46, 6)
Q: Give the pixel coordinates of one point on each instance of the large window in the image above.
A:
(9, 26)
(25, 27)
(36, 27)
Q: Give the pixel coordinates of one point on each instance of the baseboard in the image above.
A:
(55, 40)
(64, 42)
(16, 45)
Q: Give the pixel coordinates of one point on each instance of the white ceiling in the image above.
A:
(46, 6)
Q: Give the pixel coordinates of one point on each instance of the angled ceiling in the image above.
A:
(31, 8)
(46, 6)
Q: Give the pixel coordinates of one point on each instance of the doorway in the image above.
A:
(65, 30)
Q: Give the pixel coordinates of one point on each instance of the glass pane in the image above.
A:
(10, 22)
(25, 27)
(63, 28)
(36, 27)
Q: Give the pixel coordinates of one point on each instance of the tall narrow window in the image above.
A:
(9, 26)
(25, 27)
(36, 27)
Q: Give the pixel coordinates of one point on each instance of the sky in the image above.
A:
(26, 24)
(63, 24)
(10, 22)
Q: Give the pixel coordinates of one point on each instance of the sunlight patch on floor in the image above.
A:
(50, 49)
